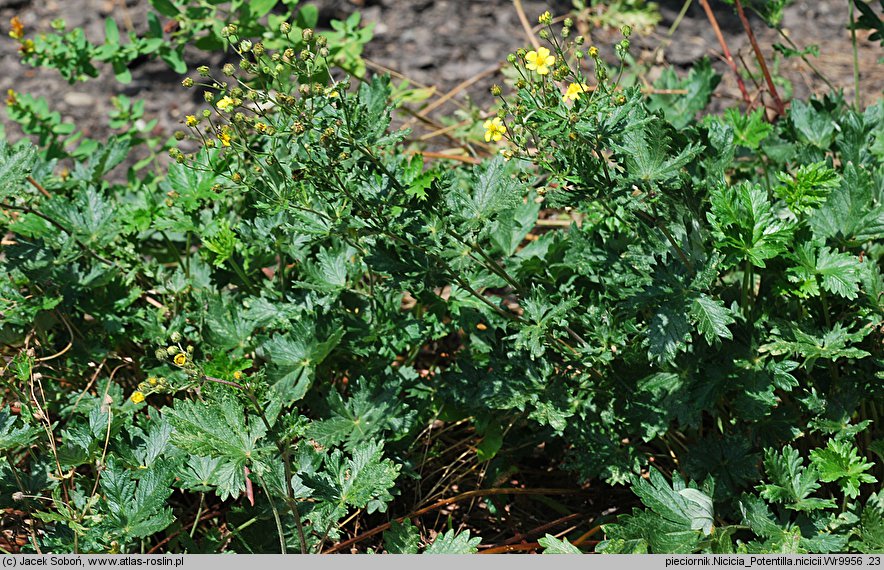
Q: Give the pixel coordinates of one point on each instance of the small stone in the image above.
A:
(78, 99)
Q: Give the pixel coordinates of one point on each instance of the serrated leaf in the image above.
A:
(853, 211)
(836, 272)
(494, 189)
(649, 158)
(680, 108)
(668, 333)
(402, 538)
(363, 481)
(807, 186)
(552, 545)
(840, 461)
(218, 430)
(135, 509)
(750, 129)
(745, 226)
(13, 438)
(451, 543)
(712, 318)
(870, 531)
(16, 163)
(813, 126)
(792, 482)
(684, 506)
(833, 345)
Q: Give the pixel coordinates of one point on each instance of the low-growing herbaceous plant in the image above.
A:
(293, 328)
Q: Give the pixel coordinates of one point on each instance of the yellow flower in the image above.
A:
(226, 103)
(593, 52)
(152, 381)
(11, 97)
(191, 120)
(17, 30)
(237, 375)
(494, 129)
(180, 359)
(545, 18)
(137, 397)
(574, 91)
(539, 60)
(224, 137)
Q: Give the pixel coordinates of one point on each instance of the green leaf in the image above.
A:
(668, 333)
(853, 211)
(15, 438)
(331, 270)
(402, 538)
(552, 545)
(15, 165)
(813, 126)
(165, 7)
(679, 109)
(684, 506)
(868, 20)
(832, 345)
(259, 8)
(308, 17)
(807, 187)
(494, 189)
(838, 273)
(366, 415)
(218, 430)
(135, 509)
(363, 481)
(840, 461)
(792, 482)
(111, 32)
(451, 543)
(870, 532)
(295, 356)
(745, 226)
(649, 157)
(712, 318)
(749, 130)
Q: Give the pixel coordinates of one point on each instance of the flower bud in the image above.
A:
(285, 27)
(245, 46)
(495, 90)
(228, 69)
(307, 34)
(203, 70)
(187, 82)
(175, 337)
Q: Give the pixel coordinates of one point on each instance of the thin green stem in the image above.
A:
(279, 531)
(852, 16)
(199, 512)
(747, 284)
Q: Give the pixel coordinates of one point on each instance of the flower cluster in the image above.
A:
(551, 78)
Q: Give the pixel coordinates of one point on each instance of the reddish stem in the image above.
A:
(780, 108)
(727, 53)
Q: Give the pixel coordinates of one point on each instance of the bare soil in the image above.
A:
(450, 44)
